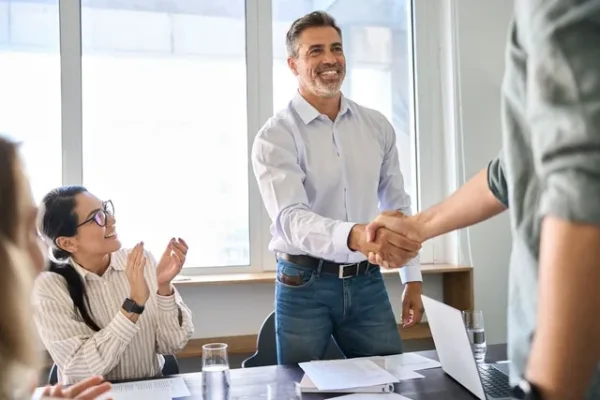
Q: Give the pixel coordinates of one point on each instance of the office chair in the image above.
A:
(266, 348)
(171, 367)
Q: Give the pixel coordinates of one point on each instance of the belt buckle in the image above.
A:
(343, 267)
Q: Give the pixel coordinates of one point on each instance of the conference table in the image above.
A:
(251, 383)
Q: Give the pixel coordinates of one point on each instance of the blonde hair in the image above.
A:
(19, 347)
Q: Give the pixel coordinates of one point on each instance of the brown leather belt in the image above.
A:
(342, 271)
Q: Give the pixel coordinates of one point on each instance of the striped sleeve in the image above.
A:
(78, 351)
(175, 326)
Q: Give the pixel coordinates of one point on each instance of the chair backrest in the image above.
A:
(171, 367)
(266, 347)
(53, 375)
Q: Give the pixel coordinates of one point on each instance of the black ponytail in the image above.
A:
(60, 219)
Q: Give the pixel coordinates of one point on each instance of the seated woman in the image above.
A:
(101, 309)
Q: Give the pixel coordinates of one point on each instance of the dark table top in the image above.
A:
(251, 383)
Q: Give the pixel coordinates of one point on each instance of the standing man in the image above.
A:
(325, 166)
(549, 174)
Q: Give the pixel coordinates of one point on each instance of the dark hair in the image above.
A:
(312, 20)
(60, 219)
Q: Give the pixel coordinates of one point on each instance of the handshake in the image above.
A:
(390, 240)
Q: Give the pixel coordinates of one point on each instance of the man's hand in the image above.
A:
(394, 248)
(87, 389)
(412, 304)
(396, 222)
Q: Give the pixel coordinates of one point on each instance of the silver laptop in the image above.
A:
(486, 381)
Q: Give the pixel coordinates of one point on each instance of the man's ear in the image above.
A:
(292, 65)
(67, 243)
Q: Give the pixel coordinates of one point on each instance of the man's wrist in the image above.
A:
(414, 286)
(356, 237)
(423, 224)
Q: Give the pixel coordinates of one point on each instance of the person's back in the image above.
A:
(550, 154)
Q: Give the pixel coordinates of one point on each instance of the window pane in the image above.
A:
(164, 113)
(30, 87)
(378, 59)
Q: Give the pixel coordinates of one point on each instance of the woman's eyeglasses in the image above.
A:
(100, 216)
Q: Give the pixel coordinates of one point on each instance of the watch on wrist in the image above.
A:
(526, 390)
(132, 307)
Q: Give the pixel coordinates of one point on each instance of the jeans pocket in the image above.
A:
(294, 276)
(374, 273)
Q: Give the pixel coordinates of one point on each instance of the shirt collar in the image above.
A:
(84, 272)
(308, 113)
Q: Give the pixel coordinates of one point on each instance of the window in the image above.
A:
(153, 104)
(378, 49)
(164, 123)
(30, 101)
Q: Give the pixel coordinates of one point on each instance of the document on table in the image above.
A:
(395, 368)
(410, 361)
(346, 374)
(372, 396)
(156, 389)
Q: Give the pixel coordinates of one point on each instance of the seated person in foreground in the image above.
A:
(101, 309)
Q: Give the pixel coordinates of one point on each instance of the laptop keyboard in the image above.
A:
(495, 383)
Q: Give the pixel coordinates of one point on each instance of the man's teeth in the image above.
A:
(330, 72)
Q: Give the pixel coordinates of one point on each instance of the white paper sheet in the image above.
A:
(307, 386)
(404, 373)
(395, 367)
(346, 374)
(156, 389)
(370, 396)
(410, 361)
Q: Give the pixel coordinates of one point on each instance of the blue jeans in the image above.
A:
(312, 306)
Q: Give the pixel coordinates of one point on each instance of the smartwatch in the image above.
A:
(132, 307)
(526, 390)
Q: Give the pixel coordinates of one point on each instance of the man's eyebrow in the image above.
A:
(320, 46)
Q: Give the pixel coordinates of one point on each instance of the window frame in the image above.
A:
(425, 69)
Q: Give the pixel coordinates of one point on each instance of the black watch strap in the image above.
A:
(526, 390)
(132, 307)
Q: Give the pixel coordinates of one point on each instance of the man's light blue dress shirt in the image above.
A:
(318, 178)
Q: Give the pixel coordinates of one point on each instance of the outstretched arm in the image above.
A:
(482, 197)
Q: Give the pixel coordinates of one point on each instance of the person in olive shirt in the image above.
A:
(548, 172)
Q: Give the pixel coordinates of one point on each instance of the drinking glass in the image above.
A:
(476, 331)
(215, 372)
(284, 391)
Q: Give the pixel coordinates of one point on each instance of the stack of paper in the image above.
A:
(346, 376)
(363, 375)
(364, 396)
(158, 389)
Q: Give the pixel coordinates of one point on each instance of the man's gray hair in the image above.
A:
(311, 20)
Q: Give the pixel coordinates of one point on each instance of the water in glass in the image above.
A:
(476, 332)
(215, 372)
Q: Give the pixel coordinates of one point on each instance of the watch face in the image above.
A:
(130, 306)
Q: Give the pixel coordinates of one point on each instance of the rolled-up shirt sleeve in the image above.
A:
(497, 180)
(280, 181)
(563, 87)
